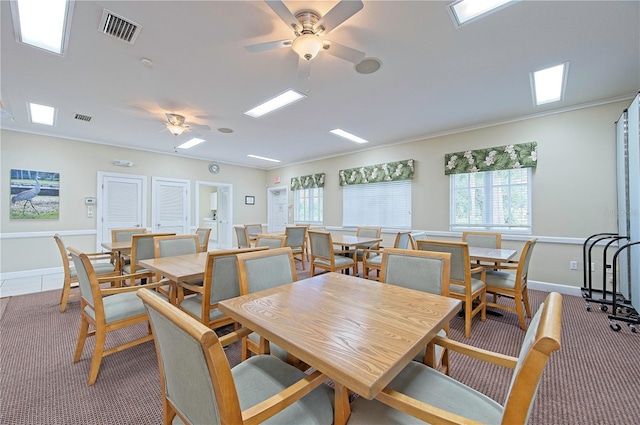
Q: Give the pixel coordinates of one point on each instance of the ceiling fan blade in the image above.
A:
(344, 52)
(269, 45)
(304, 68)
(285, 14)
(200, 127)
(336, 16)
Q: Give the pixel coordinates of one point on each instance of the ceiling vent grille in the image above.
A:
(119, 27)
(81, 117)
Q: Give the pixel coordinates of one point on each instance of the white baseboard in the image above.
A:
(554, 287)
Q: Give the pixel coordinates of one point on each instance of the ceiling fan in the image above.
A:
(310, 29)
(176, 125)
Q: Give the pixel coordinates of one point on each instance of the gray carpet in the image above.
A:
(592, 380)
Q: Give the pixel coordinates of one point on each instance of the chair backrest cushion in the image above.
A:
(177, 245)
(320, 244)
(411, 269)
(403, 241)
(524, 262)
(125, 235)
(241, 235)
(266, 269)
(482, 239)
(459, 266)
(187, 380)
(295, 236)
(270, 241)
(143, 246)
(224, 278)
(86, 290)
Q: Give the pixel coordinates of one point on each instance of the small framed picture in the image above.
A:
(250, 200)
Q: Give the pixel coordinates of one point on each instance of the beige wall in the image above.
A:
(573, 187)
(78, 164)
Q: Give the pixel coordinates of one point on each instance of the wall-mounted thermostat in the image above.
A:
(89, 201)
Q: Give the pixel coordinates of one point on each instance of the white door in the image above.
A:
(121, 203)
(278, 211)
(224, 217)
(170, 200)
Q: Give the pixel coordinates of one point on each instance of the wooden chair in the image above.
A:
(105, 310)
(124, 235)
(424, 271)
(513, 285)
(430, 396)
(484, 240)
(296, 240)
(203, 237)
(220, 283)
(270, 241)
(102, 269)
(308, 241)
(372, 258)
(142, 248)
(242, 236)
(463, 285)
(259, 271)
(323, 256)
(253, 230)
(208, 391)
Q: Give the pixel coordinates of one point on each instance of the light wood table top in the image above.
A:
(351, 240)
(359, 332)
(491, 254)
(178, 268)
(117, 246)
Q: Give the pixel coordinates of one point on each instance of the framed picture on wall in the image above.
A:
(34, 194)
(250, 200)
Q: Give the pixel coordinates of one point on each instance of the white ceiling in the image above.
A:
(435, 78)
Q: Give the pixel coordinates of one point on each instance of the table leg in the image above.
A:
(342, 408)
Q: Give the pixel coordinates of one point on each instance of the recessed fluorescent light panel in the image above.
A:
(41, 114)
(263, 158)
(465, 11)
(348, 136)
(191, 143)
(43, 23)
(284, 99)
(548, 84)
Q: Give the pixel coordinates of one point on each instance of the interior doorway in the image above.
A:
(219, 218)
(277, 209)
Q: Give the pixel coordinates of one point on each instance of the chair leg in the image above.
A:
(525, 299)
(101, 336)
(82, 337)
(517, 299)
(64, 297)
(468, 311)
(483, 312)
(244, 354)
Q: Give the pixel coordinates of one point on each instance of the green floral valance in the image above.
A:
(490, 159)
(307, 182)
(390, 171)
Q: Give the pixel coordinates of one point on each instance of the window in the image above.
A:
(385, 204)
(308, 206)
(492, 200)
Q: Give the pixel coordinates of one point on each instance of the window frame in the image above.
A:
(488, 186)
(307, 194)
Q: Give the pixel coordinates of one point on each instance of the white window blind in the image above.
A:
(308, 206)
(385, 204)
(492, 200)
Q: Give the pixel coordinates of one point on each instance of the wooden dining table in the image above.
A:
(348, 241)
(358, 332)
(176, 269)
(493, 255)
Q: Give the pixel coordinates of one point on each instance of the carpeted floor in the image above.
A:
(592, 380)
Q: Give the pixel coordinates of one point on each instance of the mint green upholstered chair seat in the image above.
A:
(339, 261)
(193, 305)
(476, 285)
(99, 268)
(446, 397)
(118, 307)
(501, 279)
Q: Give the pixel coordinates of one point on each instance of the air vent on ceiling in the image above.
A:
(119, 27)
(81, 117)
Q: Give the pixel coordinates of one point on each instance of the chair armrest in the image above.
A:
(112, 291)
(475, 352)
(193, 288)
(123, 277)
(420, 409)
(366, 253)
(285, 398)
(234, 336)
(478, 269)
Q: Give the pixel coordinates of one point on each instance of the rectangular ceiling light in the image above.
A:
(284, 99)
(464, 11)
(263, 158)
(548, 84)
(191, 143)
(41, 114)
(348, 136)
(43, 24)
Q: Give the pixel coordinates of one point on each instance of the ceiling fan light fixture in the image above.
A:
(307, 46)
(176, 130)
